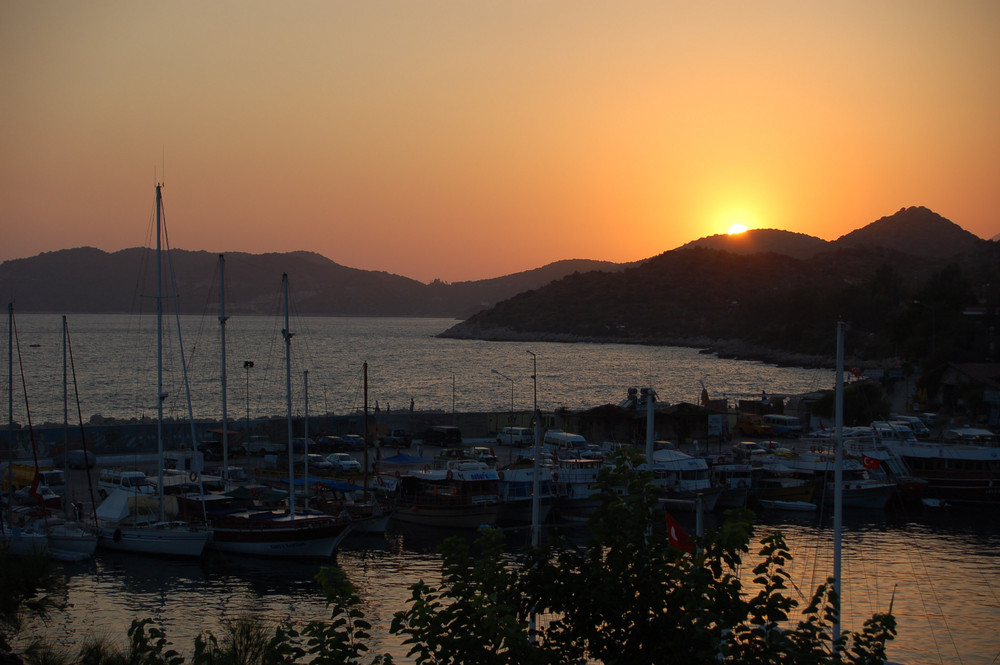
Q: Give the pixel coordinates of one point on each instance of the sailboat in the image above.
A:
(135, 523)
(14, 537)
(241, 526)
(69, 538)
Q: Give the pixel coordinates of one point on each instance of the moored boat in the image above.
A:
(961, 468)
(684, 480)
(516, 488)
(462, 495)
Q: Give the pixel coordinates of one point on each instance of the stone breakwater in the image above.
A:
(728, 349)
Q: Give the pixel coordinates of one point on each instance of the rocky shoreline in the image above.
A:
(729, 349)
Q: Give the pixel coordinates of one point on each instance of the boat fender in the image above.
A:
(397, 473)
(741, 484)
(379, 480)
(194, 476)
(555, 475)
(449, 475)
(500, 475)
(117, 536)
(317, 488)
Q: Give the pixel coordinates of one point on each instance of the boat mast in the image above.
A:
(838, 474)
(305, 440)
(287, 334)
(364, 427)
(160, 395)
(65, 332)
(222, 329)
(10, 409)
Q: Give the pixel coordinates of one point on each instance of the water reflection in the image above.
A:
(940, 571)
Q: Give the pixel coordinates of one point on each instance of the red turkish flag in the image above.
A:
(871, 462)
(678, 536)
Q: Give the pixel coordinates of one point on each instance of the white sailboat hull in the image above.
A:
(163, 539)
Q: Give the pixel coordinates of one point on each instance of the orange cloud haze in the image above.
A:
(467, 140)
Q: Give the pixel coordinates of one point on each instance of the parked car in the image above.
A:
(443, 435)
(354, 441)
(397, 438)
(261, 445)
(300, 444)
(317, 462)
(344, 463)
(482, 454)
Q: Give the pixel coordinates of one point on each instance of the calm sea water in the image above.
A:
(940, 570)
(115, 366)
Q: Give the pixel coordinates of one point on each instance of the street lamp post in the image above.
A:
(510, 421)
(247, 365)
(536, 480)
(536, 484)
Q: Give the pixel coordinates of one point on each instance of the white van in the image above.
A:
(556, 440)
(516, 436)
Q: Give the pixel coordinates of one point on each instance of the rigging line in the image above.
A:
(83, 436)
(27, 412)
(177, 318)
(924, 573)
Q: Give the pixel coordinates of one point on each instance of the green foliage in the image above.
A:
(478, 615)
(29, 589)
(246, 640)
(147, 645)
(341, 641)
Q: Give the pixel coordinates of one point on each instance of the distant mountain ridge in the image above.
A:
(916, 231)
(90, 280)
(763, 294)
(94, 281)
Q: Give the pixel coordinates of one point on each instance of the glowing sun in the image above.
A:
(737, 228)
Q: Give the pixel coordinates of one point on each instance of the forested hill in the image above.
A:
(89, 280)
(776, 306)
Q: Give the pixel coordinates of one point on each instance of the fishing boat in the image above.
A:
(963, 467)
(683, 480)
(244, 524)
(458, 494)
(128, 522)
(516, 491)
(735, 478)
(576, 487)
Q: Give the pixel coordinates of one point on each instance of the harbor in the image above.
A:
(886, 550)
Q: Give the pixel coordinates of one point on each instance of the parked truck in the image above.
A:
(23, 475)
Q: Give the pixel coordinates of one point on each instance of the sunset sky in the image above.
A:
(473, 139)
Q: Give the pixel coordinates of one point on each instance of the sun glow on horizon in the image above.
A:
(737, 228)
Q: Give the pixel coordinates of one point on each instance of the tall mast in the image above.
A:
(287, 334)
(364, 426)
(305, 439)
(838, 473)
(10, 405)
(160, 395)
(222, 329)
(65, 334)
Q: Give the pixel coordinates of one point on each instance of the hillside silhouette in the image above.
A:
(897, 282)
(764, 293)
(88, 280)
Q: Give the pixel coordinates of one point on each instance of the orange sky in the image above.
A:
(463, 140)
